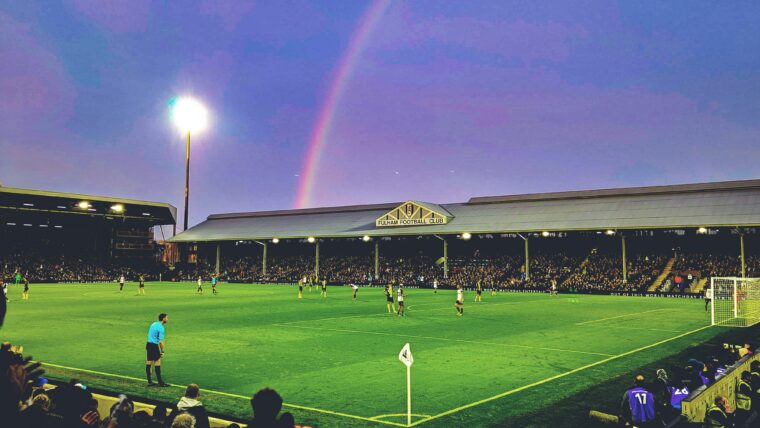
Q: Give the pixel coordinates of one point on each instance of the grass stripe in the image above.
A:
(228, 394)
(380, 333)
(561, 375)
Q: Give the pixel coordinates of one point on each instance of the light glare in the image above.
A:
(466, 236)
(190, 115)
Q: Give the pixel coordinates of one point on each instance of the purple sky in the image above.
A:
(447, 100)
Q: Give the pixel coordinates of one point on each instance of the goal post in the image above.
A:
(735, 301)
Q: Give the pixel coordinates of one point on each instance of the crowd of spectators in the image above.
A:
(602, 272)
(596, 272)
(655, 400)
(27, 401)
(76, 269)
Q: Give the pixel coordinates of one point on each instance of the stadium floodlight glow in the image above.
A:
(311, 239)
(84, 205)
(11, 224)
(466, 236)
(702, 230)
(58, 227)
(117, 208)
(365, 238)
(189, 115)
(26, 204)
(545, 233)
(61, 207)
(275, 240)
(610, 232)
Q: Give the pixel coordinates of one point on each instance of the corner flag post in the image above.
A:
(405, 356)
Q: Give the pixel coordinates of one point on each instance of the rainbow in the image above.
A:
(321, 129)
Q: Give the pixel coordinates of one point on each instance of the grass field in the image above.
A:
(335, 361)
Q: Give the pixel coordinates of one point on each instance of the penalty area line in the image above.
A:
(555, 377)
(228, 394)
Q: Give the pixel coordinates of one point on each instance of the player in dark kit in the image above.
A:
(638, 404)
(25, 294)
(389, 297)
(155, 349)
(141, 288)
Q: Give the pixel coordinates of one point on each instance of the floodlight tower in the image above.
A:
(190, 116)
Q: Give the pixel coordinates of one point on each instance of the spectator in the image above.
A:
(266, 405)
(754, 368)
(743, 399)
(638, 405)
(189, 403)
(719, 414)
(184, 420)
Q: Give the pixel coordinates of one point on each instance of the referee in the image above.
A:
(155, 348)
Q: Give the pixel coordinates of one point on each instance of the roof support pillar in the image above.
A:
(527, 257)
(264, 261)
(377, 259)
(218, 257)
(445, 259)
(316, 260)
(741, 254)
(625, 260)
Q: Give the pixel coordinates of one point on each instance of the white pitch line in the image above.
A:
(561, 375)
(622, 316)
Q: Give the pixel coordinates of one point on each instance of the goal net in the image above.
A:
(735, 301)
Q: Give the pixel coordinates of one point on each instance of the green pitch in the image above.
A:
(335, 361)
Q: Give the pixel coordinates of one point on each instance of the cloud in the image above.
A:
(228, 11)
(519, 39)
(119, 16)
(35, 90)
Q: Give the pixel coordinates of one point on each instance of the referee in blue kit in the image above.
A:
(156, 348)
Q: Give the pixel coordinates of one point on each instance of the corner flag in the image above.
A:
(405, 356)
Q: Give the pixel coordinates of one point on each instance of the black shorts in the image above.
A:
(389, 299)
(154, 354)
(142, 285)
(26, 288)
(458, 303)
(479, 291)
(401, 303)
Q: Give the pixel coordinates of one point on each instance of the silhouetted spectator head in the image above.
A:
(233, 426)
(184, 420)
(192, 391)
(159, 412)
(266, 404)
(638, 381)
(746, 376)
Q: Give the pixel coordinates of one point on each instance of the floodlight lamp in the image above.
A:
(190, 115)
(609, 232)
(117, 208)
(466, 236)
(702, 230)
(84, 205)
(365, 238)
(275, 240)
(311, 239)
(545, 233)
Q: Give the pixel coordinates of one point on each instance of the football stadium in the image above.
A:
(518, 310)
(433, 214)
